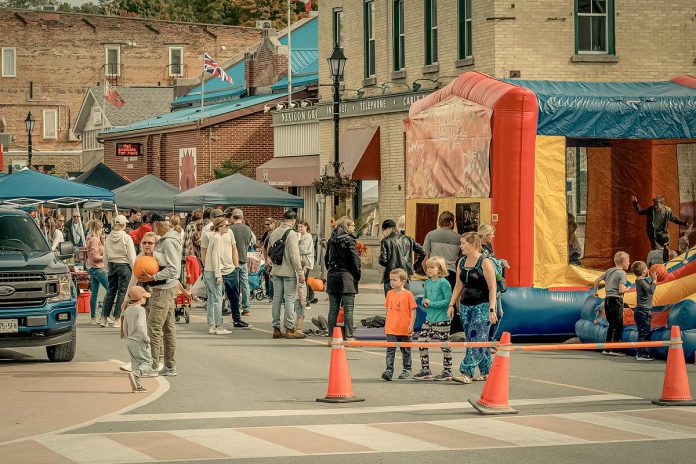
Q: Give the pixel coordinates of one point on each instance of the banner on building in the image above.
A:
(448, 150)
(187, 169)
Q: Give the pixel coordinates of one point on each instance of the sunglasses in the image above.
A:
(147, 243)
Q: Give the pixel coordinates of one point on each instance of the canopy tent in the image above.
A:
(28, 187)
(102, 176)
(616, 110)
(149, 193)
(237, 190)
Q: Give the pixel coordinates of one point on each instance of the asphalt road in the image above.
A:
(247, 396)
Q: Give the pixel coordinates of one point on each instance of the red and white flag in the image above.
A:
(112, 96)
(307, 4)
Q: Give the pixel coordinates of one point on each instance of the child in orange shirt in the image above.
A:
(401, 314)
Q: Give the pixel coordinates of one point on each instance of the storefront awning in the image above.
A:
(289, 171)
(360, 153)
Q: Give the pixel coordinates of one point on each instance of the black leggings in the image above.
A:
(613, 309)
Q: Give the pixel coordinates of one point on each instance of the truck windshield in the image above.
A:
(19, 233)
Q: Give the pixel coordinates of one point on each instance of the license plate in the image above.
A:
(9, 326)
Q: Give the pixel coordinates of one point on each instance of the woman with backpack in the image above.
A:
(475, 294)
(487, 234)
(344, 271)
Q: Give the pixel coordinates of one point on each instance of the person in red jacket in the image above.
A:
(138, 234)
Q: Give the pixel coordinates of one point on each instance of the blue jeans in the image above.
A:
(97, 277)
(230, 283)
(477, 324)
(336, 300)
(284, 288)
(643, 317)
(244, 284)
(214, 301)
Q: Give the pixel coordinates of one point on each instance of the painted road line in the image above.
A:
(651, 428)
(234, 443)
(358, 410)
(574, 428)
(444, 436)
(89, 447)
(165, 446)
(374, 438)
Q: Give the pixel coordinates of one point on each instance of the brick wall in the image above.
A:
(62, 54)
(268, 63)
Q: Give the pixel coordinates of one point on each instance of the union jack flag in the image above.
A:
(211, 66)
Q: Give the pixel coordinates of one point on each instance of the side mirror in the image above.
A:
(65, 250)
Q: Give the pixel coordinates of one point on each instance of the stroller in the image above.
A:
(183, 305)
(256, 270)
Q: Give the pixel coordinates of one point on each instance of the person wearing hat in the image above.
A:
(396, 252)
(134, 328)
(658, 218)
(244, 237)
(164, 286)
(119, 253)
(208, 231)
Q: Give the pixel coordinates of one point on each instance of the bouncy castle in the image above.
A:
(495, 151)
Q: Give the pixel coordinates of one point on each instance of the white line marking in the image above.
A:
(511, 433)
(374, 438)
(651, 428)
(235, 444)
(351, 411)
(92, 448)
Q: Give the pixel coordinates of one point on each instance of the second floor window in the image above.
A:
(369, 38)
(594, 26)
(50, 124)
(9, 62)
(113, 60)
(399, 36)
(464, 32)
(430, 31)
(176, 61)
(338, 27)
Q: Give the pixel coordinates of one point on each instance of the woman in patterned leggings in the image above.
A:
(476, 292)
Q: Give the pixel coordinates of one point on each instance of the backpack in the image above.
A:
(374, 321)
(277, 250)
(501, 285)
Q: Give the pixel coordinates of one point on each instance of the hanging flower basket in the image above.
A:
(362, 248)
(335, 186)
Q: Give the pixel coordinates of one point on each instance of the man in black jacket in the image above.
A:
(658, 217)
(396, 252)
(74, 230)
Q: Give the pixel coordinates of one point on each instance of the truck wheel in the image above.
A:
(64, 352)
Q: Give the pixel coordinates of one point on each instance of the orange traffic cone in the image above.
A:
(494, 398)
(675, 390)
(340, 319)
(340, 388)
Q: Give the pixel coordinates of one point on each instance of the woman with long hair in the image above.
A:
(54, 230)
(95, 264)
(120, 254)
(344, 272)
(475, 295)
(304, 291)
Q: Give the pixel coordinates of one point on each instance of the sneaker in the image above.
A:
(387, 375)
(168, 372)
(222, 331)
(617, 353)
(150, 374)
(443, 376)
(606, 352)
(246, 312)
(160, 366)
(109, 321)
(423, 375)
(103, 322)
(117, 324)
(314, 301)
(405, 375)
(94, 321)
(139, 389)
(126, 368)
(308, 307)
(212, 330)
(645, 358)
(242, 325)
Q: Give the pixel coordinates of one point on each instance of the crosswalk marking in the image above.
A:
(468, 432)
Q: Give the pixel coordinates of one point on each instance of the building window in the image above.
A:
(399, 36)
(369, 14)
(594, 26)
(430, 31)
(176, 61)
(464, 34)
(338, 27)
(50, 124)
(9, 62)
(113, 60)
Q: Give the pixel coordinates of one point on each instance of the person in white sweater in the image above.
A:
(119, 253)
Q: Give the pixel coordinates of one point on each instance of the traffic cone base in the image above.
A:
(675, 390)
(491, 411)
(494, 398)
(340, 388)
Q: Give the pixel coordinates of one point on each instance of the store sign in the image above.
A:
(129, 149)
(374, 105)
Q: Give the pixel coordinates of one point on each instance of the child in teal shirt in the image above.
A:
(436, 327)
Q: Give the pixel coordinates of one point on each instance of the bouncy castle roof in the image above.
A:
(621, 110)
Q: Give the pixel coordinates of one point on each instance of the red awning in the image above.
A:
(360, 153)
(289, 171)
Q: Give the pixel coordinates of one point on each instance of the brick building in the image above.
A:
(185, 146)
(50, 59)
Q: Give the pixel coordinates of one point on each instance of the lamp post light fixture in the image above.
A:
(29, 124)
(337, 64)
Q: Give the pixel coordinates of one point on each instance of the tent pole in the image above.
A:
(82, 229)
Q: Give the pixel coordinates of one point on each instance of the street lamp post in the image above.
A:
(29, 124)
(337, 64)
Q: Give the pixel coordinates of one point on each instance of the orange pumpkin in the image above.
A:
(316, 284)
(145, 264)
(660, 270)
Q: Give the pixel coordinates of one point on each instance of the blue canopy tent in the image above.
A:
(28, 188)
(614, 110)
(237, 190)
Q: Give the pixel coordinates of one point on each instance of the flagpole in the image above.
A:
(289, 60)
(202, 84)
